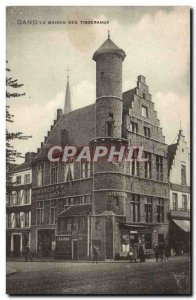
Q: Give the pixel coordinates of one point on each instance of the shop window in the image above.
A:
(53, 212)
(40, 213)
(148, 241)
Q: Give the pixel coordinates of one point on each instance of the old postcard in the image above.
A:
(98, 150)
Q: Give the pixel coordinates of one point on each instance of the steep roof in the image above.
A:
(109, 47)
(21, 167)
(76, 210)
(80, 125)
(171, 153)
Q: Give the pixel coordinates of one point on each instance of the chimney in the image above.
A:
(142, 79)
(59, 113)
(29, 156)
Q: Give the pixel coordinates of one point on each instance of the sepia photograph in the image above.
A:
(98, 150)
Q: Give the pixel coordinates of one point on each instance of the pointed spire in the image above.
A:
(108, 35)
(67, 107)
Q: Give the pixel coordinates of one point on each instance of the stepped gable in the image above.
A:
(133, 101)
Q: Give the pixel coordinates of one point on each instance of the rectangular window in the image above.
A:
(160, 210)
(85, 169)
(27, 196)
(40, 175)
(69, 171)
(82, 223)
(134, 127)
(148, 209)
(53, 215)
(144, 111)
(18, 179)
(174, 201)
(69, 225)
(18, 198)
(184, 203)
(159, 167)
(9, 221)
(146, 131)
(26, 219)
(75, 223)
(40, 213)
(135, 208)
(183, 174)
(27, 178)
(148, 165)
(17, 220)
(54, 172)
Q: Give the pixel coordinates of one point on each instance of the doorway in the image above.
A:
(161, 239)
(75, 250)
(16, 245)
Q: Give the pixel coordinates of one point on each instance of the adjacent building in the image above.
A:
(18, 208)
(179, 175)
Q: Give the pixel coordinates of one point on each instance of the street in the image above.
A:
(167, 277)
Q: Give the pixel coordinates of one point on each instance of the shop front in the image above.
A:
(133, 235)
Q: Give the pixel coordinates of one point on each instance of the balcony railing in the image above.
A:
(180, 213)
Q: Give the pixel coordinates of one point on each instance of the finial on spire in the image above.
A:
(108, 34)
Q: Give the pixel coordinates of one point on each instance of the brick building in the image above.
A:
(179, 174)
(18, 208)
(77, 205)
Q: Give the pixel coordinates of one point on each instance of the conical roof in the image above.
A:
(67, 106)
(109, 47)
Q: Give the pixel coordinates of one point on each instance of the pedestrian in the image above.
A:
(130, 254)
(135, 252)
(28, 254)
(141, 254)
(167, 251)
(156, 252)
(95, 254)
(161, 250)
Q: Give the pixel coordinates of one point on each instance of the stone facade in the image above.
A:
(77, 206)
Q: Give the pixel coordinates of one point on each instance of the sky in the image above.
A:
(157, 45)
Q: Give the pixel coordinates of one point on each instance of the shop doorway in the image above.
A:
(16, 245)
(45, 239)
(161, 239)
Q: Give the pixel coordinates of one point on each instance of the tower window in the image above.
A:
(146, 131)
(102, 76)
(111, 115)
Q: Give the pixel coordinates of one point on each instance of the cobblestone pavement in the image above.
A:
(60, 277)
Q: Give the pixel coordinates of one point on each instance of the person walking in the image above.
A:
(135, 252)
(131, 254)
(141, 254)
(167, 251)
(95, 254)
(156, 252)
(161, 251)
(28, 254)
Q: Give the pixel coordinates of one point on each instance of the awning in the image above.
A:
(183, 224)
